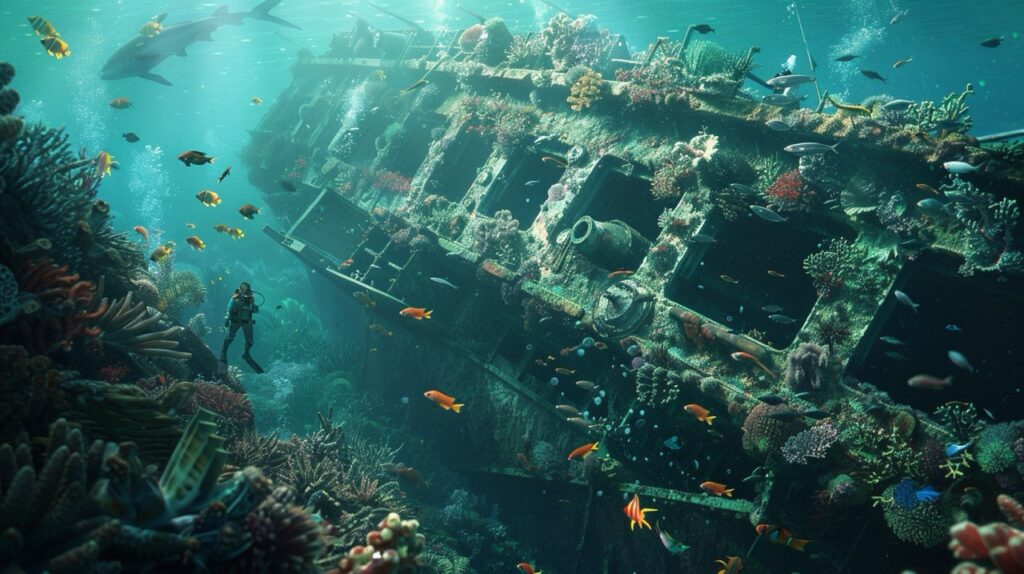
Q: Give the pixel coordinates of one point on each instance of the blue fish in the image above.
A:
(953, 328)
(927, 494)
(953, 449)
(672, 443)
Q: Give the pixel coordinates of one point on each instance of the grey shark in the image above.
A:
(143, 53)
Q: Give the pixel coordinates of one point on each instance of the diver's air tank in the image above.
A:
(611, 244)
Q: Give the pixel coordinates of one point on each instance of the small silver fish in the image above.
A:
(899, 16)
(782, 319)
(905, 299)
(891, 340)
(895, 355)
(780, 99)
(772, 308)
(744, 189)
(568, 409)
(779, 125)
(960, 167)
(543, 139)
(580, 422)
(702, 238)
(789, 80)
(532, 182)
(671, 544)
(958, 359)
(810, 148)
(897, 105)
(586, 385)
(443, 281)
(767, 214)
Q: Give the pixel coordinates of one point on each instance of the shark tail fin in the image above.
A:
(262, 12)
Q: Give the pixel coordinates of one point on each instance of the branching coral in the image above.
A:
(961, 419)
(585, 91)
(669, 180)
(951, 115)
(998, 543)
(30, 392)
(137, 330)
(508, 120)
(831, 267)
(790, 193)
(814, 442)
(881, 453)
(989, 226)
(805, 367)
(575, 41)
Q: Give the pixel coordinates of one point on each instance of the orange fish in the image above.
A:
(55, 47)
(926, 187)
(142, 231)
(776, 274)
(407, 473)
(444, 401)
(731, 565)
(527, 568)
(700, 412)
(208, 198)
(741, 356)
(716, 488)
(620, 273)
(195, 242)
(636, 514)
(417, 313)
(195, 157)
(121, 104)
(780, 535)
(583, 451)
(346, 262)
(104, 161)
(161, 251)
(249, 211)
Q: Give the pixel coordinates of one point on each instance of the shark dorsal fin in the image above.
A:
(221, 11)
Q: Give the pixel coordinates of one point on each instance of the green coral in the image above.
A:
(995, 447)
(881, 454)
(704, 59)
(925, 524)
(927, 115)
(988, 227)
(832, 266)
(669, 180)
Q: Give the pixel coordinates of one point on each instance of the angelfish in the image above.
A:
(671, 544)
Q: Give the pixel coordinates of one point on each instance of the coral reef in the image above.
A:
(658, 386)
(497, 236)
(814, 442)
(831, 267)
(575, 41)
(961, 419)
(585, 90)
(953, 111)
(138, 330)
(998, 543)
(767, 428)
(995, 447)
(393, 547)
(989, 226)
(806, 367)
(9, 98)
(663, 256)
(177, 289)
(790, 193)
(918, 522)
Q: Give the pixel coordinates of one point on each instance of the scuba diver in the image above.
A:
(240, 316)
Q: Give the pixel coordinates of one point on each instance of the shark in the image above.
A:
(141, 54)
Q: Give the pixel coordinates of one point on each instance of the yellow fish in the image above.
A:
(42, 27)
(55, 46)
(236, 233)
(208, 198)
(195, 242)
(104, 161)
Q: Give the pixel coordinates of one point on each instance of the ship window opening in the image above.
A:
(459, 167)
(627, 199)
(977, 317)
(359, 146)
(319, 227)
(414, 144)
(732, 285)
(525, 191)
(513, 348)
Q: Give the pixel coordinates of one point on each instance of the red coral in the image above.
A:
(391, 181)
(998, 543)
(235, 407)
(790, 193)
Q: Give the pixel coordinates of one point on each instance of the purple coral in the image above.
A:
(811, 443)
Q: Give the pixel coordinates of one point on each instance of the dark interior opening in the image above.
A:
(625, 198)
(978, 317)
(732, 284)
(525, 191)
(362, 148)
(320, 226)
(459, 167)
(414, 146)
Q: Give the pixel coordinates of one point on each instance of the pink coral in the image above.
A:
(790, 193)
(998, 543)
(391, 181)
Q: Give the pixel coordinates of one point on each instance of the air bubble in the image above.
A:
(588, 341)
(597, 400)
(405, 400)
(581, 352)
(554, 381)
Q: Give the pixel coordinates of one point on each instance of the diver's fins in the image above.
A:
(253, 364)
(262, 12)
(155, 78)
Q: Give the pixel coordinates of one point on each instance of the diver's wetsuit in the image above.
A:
(240, 312)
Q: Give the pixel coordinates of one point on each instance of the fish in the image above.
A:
(130, 137)
(142, 231)
(926, 187)
(380, 330)
(703, 29)
(788, 80)
(568, 409)
(897, 105)
(953, 449)
(636, 514)
(526, 568)
(993, 42)
(364, 299)
(42, 27)
(582, 423)
(140, 54)
(894, 355)
(930, 382)
(815, 414)
(288, 186)
(960, 167)
(767, 214)
(120, 103)
(891, 340)
(701, 413)
(671, 544)
(810, 148)
(444, 401)
(702, 238)
(555, 161)
(249, 211)
(782, 319)
(161, 251)
(770, 399)
(221, 228)
(417, 313)
(953, 328)
(780, 99)
(958, 359)
(408, 474)
(415, 86)
(620, 273)
(847, 58)
(873, 75)
(849, 107)
(729, 279)
(443, 281)
(776, 274)
(195, 242)
(55, 46)
(193, 157)
(104, 161)
(716, 488)
(905, 299)
(586, 385)
(583, 451)
(744, 189)
(778, 125)
(532, 182)
(153, 27)
(927, 494)
(564, 371)
(932, 206)
(236, 233)
(223, 174)
(780, 535)
(900, 63)
(731, 565)
(542, 139)
(672, 443)
(208, 198)
(772, 308)
(899, 17)
(256, 101)
(742, 356)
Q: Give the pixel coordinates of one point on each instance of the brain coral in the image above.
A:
(767, 427)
